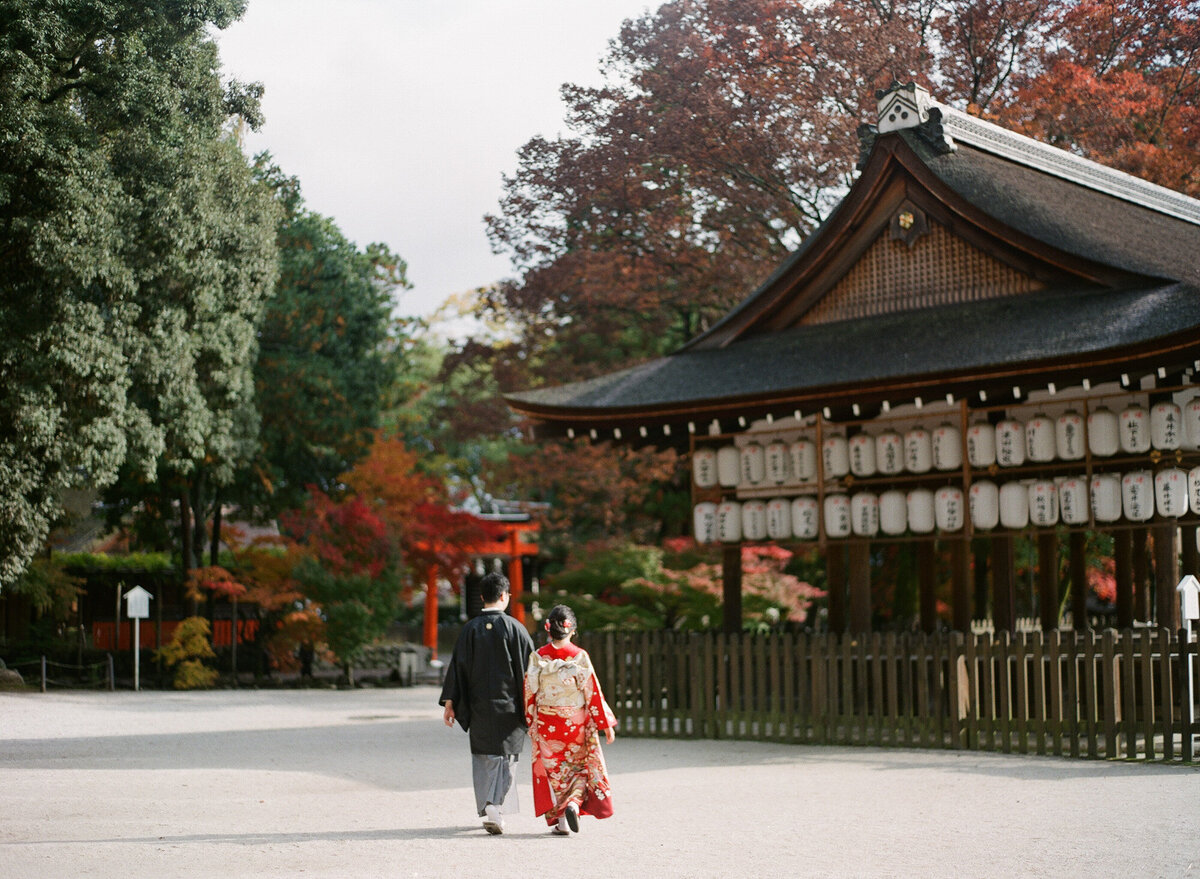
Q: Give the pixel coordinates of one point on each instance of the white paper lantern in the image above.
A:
(1043, 503)
(1194, 489)
(704, 522)
(1068, 436)
(805, 518)
(981, 444)
(948, 508)
(1166, 426)
(804, 460)
(729, 521)
(1134, 430)
(1191, 425)
(1171, 493)
(1014, 505)
(754, 464)
(1137, 496)
(862, 454)
(1104, 435)
(835, 456)
(754, 520)
(779, 463)
(1010, 443)
(893, 513)
(1040, 441)
(837, 515)
(864, 514)
(1073, 500)
(984, 500)
(779, 518)
(729, 466)
(921, 519)
(947, 447)
(704, 467)
(1106, 497)
(918, 451)
(889, 453)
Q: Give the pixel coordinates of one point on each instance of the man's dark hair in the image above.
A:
(493, 587)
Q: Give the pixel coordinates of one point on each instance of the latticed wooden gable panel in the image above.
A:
(938, 269)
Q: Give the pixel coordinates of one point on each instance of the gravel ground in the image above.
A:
(369, 783)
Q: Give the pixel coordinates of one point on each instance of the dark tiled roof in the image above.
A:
(1160, 252)
(1075, 219)
(955, 339)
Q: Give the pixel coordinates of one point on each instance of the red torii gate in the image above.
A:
(502, 539)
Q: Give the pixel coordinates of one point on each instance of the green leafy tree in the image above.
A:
(326, 356)
(133, 250)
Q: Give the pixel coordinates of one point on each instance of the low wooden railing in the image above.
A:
(1103, 694)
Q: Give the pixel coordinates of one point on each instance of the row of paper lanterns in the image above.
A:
(1134, 496)
(1009, 443)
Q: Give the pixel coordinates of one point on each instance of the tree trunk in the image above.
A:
(214, 553)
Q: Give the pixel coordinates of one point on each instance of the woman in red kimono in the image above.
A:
(564, 710)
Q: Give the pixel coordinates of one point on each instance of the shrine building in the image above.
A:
(989, 338)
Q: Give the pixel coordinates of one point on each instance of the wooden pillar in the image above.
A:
(926, 583)
(431, 611)
(1188, 556)
(516, 578)
(1141, 576)
(980, 571)
(1047, 579)
(1166, 575)
(731, 586)
(960, 582)
(1004, 583)
(1077, 543)
(835, 583)
(860, 587)
(1123, 571)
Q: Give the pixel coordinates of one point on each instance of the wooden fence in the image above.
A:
(1090, 694)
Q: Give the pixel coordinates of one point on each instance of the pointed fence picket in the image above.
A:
(1093, 694)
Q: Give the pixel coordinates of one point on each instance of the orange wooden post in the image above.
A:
(516, 580)
(431, 611)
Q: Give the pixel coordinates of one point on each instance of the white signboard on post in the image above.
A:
(1189, 598)
(137, 608)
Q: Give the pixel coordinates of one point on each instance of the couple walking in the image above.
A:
(499, 689)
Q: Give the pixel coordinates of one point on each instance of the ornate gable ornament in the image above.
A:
(901, 106)
(904, 105)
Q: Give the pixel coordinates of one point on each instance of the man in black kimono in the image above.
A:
(484, 691)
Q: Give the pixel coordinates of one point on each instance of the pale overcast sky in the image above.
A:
(399, 116)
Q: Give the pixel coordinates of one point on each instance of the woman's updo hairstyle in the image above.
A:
(560, 622)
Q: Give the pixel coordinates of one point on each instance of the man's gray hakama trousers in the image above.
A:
(493, 778)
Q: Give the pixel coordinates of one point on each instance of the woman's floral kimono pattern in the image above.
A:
(565, 710)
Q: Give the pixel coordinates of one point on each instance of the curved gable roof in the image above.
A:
(1109, 262)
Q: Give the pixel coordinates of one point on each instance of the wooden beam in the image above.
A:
(860, 587)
